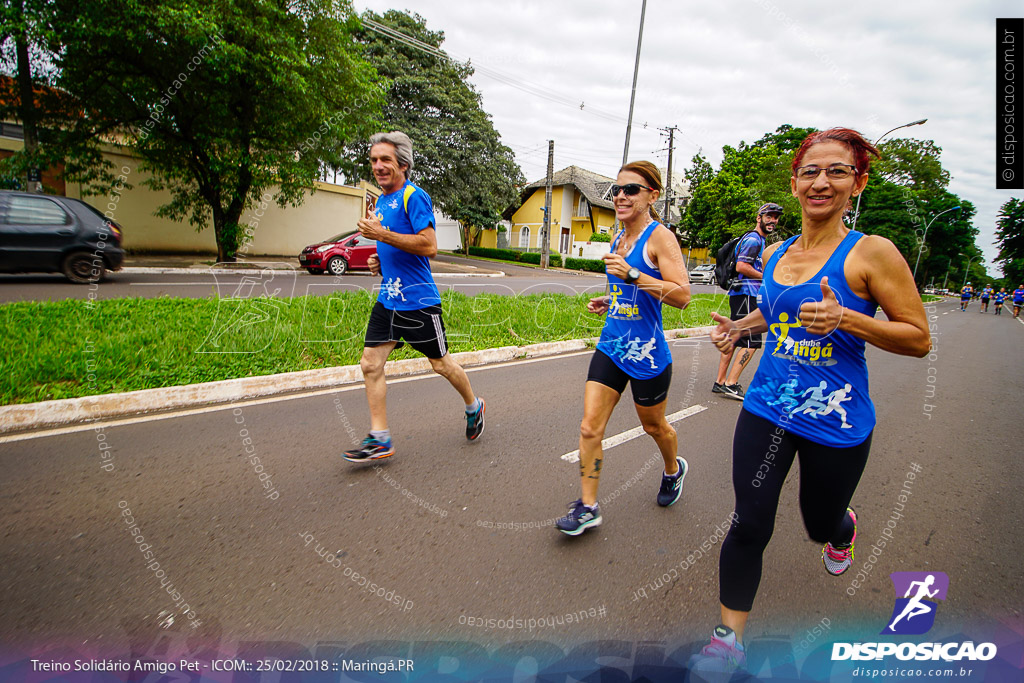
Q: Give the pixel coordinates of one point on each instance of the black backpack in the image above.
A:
(725, 262)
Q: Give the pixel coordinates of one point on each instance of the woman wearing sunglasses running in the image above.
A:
(645, 269)
(809, 398)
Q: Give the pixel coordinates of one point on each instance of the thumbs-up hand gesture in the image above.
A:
(370, 226)
(725, 335)
(822, 317)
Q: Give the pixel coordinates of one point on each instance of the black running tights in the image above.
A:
(762, 454)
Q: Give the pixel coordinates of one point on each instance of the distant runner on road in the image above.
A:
(965, 296)
(986, 294)
(645, 269)
(1000, 297)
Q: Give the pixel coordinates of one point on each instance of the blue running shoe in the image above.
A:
(475, 422)
(672, 487)
(579, 519)
(372, 449)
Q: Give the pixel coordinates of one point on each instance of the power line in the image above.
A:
(511, 81)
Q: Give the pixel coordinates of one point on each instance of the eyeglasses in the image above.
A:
(630, 190)
(833, 172)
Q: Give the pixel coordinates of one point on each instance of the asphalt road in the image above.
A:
(426, 525)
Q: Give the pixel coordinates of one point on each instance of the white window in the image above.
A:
(524, 237)
(35, 211)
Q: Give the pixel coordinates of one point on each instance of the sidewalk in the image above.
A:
(176, 263)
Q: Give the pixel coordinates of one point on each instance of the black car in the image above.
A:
(50, 234)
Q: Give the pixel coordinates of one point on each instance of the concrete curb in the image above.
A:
(74, 411)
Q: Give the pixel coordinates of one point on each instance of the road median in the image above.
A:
(87, 409)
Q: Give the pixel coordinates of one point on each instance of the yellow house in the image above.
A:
(580, 205)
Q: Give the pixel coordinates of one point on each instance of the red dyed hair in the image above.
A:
(861, 148)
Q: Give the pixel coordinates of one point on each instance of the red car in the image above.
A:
(338, 254)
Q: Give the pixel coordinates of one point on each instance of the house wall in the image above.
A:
(330, 210)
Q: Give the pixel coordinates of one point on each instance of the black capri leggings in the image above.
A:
(762, 454)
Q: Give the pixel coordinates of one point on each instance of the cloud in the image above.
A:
(726, 72)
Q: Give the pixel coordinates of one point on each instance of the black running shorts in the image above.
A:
(422, 328)
(646, 392)
(740, 306)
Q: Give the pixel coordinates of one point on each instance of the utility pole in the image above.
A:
(545, 231)
(668, 176)
(636, 70)
(632, 97)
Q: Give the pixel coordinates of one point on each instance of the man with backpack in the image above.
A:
(745, 283)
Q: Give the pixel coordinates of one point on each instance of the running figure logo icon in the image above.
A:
(914, 613)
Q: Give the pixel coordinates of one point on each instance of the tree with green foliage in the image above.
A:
(1010, 238)
(222, 102)
(459, 158)
(724, 202)
(906, 190)
(58, 133)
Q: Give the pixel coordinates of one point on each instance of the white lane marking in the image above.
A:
(58, 431)
(631, 434)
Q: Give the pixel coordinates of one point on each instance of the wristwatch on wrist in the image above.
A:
(632, 276)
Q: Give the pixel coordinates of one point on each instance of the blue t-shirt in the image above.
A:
(632, 335)
(1018, 296)
(1000, 297)
(966, 292)
(986, 293)
(814, 386)
(407, 283)
(748, 250)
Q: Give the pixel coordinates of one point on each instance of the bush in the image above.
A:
(554, 260)
(592, 265)
(516, 256)
(600, 237)
(487, 252)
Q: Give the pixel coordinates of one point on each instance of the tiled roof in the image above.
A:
(594, 186)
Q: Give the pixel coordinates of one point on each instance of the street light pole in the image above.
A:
(948, 266)
(966, 272)
(920, 248)
(856, 210)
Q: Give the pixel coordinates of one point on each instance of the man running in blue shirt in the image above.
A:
(965, 296)
(986, 294)
(1018, 300)
(1000, 297)
(408, 308)
(743, 300)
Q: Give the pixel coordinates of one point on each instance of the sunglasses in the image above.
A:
(630, 190)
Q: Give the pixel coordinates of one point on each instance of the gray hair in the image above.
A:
(402, 144)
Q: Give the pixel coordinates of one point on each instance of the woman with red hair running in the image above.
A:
(809, 399)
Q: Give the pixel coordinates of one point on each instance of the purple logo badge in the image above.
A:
(916, 595)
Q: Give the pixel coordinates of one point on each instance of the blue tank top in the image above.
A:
(813, 386)
(633, 336)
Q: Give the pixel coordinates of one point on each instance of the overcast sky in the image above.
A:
(731, 71)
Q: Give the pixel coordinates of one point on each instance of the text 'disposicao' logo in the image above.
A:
(916, 596)
(914, 614)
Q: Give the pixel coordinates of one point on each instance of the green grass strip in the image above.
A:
(67, 349)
